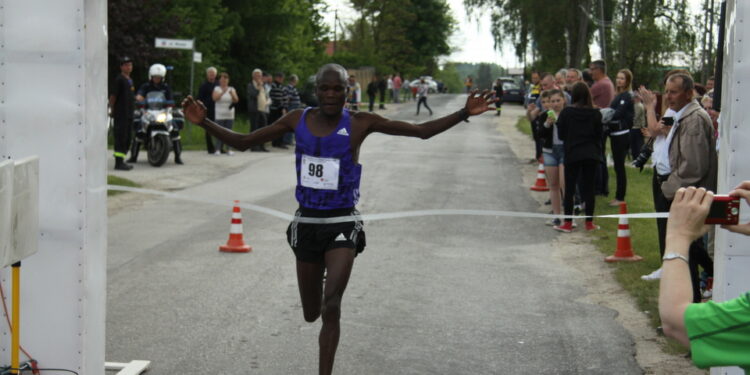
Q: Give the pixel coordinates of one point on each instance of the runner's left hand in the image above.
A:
(478, 103)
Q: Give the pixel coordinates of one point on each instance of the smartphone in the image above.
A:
(724, 210)
(668, 121)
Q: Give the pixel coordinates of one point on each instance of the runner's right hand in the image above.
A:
(194, 110)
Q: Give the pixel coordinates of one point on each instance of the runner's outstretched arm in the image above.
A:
(195, 111)
(477, 103)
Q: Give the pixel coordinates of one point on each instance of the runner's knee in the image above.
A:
(332, 309)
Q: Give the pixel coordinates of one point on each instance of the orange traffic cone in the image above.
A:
(236, 244)
(624, 250)
(541, 180)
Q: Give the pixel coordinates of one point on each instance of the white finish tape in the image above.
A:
(383, 216)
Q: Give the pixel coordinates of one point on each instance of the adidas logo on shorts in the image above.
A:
(341, 237)
(343, 132)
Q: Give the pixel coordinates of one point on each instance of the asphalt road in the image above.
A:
(430, 295)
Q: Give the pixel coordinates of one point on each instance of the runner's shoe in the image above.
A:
(553, 223)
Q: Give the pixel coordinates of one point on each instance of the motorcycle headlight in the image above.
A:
(162, 117)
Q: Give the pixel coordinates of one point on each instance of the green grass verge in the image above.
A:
(114, 180)
(643, 236)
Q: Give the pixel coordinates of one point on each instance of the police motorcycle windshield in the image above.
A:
(155, 100)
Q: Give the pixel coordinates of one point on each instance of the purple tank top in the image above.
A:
(327, 176)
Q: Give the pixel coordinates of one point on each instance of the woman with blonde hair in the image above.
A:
(619, 130)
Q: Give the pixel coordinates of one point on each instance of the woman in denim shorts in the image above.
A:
(552, 149)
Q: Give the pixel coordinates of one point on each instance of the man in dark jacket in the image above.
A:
(204, 95)
(121, 103)
(372, 92)
(382, 86)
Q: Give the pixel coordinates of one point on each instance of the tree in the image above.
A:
(133, 27)
(399, 35)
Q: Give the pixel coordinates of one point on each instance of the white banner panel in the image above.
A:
(25, 210)
(732, 256)
(53, 92)
(6, 197)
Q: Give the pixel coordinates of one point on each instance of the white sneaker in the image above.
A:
(230, 153)
(217, 153)
(656, 275)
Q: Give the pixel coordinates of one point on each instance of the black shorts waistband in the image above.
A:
(311, 212)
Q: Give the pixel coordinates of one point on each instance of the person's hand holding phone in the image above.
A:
(742, 191)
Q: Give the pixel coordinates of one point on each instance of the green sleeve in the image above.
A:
(719, 333)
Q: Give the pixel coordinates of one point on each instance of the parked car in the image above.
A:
(512, 92)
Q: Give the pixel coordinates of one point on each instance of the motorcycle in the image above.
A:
(158, 127)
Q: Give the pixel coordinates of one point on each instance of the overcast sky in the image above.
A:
(472, 40)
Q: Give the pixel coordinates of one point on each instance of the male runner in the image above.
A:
(328, 176)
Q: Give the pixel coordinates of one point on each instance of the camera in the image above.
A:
(646, 151)
(724, 210)
(668, 121)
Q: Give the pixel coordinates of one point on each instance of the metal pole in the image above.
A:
(15, 335)
(601, 30)
(192, 67)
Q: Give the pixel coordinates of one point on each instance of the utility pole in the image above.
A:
(335, 25)
(601, 30)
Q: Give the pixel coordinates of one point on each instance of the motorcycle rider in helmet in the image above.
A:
(156, 75)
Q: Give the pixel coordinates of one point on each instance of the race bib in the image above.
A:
(319, 173)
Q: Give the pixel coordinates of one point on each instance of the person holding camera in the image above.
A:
(717, 333)
(225, 98)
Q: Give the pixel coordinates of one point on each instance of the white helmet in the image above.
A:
(157, 70)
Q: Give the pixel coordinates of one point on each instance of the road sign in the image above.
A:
(174, 43)
(197, 57)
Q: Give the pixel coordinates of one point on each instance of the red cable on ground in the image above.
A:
(7, 319)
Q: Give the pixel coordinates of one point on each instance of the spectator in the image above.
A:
(535, 88)
(396, 88)
(687, 157)
(390, 86)
(354, 93)
(499, 96)
(717, 333)
(256, 105)
(121, 105)
(571, 77)
(552, 148)
(382, 88)
(619, 131)
(560, 78)
(406, 89)
(279, 103)
(587, 78)
(580, 129)
(602, 93)
(469, 83)
(639, 123)
(710, 83)
(372, 91)
(294, 103)
(708, 103)
(224, 98)
(205, 95)
(422, 90)
(533, 110)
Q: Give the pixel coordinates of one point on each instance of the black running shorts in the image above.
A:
(310, 241)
